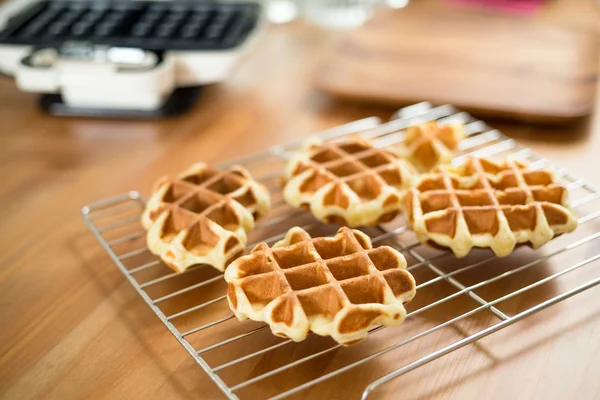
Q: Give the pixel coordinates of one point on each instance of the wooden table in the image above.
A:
(72, 327)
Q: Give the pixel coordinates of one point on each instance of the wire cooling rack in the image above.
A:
(246, 361)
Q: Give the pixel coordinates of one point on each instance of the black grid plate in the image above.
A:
(150, 25)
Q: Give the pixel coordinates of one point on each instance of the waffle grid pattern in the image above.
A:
(202, 217)
(430, 144)
(350, 182)
(484, 204)
(336, 286)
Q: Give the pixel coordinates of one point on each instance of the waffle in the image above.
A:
(486, 204)
(430, 144)
(348, 182)
(333, 286)
(202, 216)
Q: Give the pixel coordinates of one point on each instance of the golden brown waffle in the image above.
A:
(333, 286)
(347, 182)
(202, 216)
(430, 144)
(485, 204)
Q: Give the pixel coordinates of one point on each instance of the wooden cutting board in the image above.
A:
(507, 66)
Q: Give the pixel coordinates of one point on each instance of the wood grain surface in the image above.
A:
(72, 327)
(531, 69)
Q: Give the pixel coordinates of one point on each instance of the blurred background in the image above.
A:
(529, 60)
(96, 80)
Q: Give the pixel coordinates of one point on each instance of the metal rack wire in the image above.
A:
(193, 304)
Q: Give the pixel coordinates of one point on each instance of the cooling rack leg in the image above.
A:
(488, 331)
